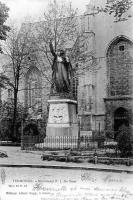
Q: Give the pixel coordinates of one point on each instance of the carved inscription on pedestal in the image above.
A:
(58, 113)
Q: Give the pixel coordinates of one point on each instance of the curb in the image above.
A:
(68, 167)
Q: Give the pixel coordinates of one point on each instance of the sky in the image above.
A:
(22, 9)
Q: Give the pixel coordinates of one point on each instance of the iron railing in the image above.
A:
(65, 142)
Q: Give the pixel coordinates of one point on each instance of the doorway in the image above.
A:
(121, 117)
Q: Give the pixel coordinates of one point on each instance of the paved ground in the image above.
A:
(24, 175)
(18, 157)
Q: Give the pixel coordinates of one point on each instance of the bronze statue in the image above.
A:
(61, 71)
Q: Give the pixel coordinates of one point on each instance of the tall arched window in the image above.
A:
(120, 67)
(75, 87)
(33, 97)
(75, 82)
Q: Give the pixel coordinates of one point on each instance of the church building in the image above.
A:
(103, 84)
(106, 88)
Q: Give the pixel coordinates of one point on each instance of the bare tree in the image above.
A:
(4, 29)
(18, 47)
(118, 8)
(59, 25)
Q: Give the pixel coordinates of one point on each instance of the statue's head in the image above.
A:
(61, 52)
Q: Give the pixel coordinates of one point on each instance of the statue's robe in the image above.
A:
(61, 74)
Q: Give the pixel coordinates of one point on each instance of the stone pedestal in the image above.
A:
(62, 119)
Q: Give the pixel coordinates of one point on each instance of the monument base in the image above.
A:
(62, 120)
(62, 128)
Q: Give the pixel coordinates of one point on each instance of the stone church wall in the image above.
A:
(106, 30)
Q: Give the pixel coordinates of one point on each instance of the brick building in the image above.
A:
(104, 80)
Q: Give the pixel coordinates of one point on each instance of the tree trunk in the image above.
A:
(15, 114)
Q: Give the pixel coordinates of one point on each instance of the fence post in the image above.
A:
(128, 162)
(96, 159)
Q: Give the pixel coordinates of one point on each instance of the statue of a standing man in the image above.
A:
(61, 71)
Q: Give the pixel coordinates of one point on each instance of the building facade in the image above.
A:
(108, 85)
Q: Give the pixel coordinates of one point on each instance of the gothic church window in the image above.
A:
(75, 87)
(120, 67)
(33, 88)
(75, 82)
